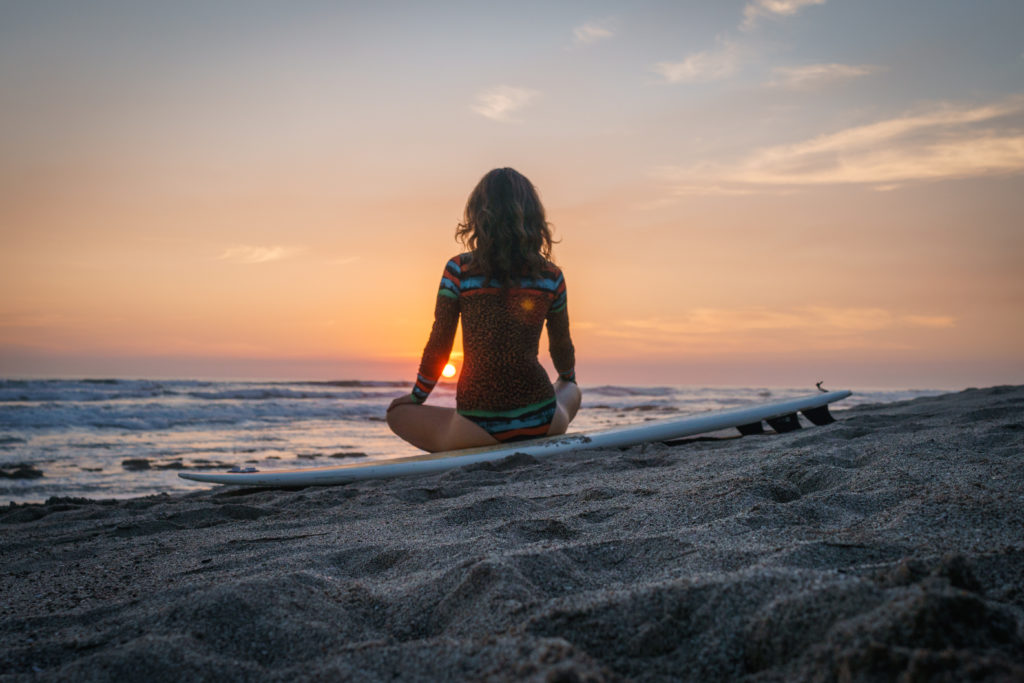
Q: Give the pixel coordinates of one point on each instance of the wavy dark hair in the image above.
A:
(505, 228)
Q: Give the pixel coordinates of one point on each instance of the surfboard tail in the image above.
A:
(787, 423)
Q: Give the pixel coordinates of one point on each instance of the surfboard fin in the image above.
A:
(786, 423)
(751, 429)
(819, 416)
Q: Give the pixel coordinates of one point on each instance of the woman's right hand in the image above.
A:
(402, 400)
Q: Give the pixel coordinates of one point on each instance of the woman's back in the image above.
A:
(503, 289)
(501, 328)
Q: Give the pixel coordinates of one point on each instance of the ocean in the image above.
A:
(114, 438)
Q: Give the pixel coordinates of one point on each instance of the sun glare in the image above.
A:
(449, 370)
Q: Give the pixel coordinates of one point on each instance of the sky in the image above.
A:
(746, 192)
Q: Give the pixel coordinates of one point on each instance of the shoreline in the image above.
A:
(888, 543)
(130, 439)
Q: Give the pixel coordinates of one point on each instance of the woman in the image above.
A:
(504, 288)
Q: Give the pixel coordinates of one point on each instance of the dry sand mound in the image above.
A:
(888, 545)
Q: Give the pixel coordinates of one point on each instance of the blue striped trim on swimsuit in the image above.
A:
(518, 424)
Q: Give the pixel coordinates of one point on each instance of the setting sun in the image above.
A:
(449, 370)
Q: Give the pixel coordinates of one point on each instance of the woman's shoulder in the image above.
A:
(457, 263)
(551, 269)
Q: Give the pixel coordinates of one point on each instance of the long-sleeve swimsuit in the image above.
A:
(502, 386)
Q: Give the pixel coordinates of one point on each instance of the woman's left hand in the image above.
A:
(402, 400)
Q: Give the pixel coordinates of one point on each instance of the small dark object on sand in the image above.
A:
(21, 471)
(135, 464)
(169, 465)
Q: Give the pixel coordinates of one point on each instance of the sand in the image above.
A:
(889, 545)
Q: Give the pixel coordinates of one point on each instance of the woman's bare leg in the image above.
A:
(569, 396)
(436, 429)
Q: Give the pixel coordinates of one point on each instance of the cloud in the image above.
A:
(721, 329)
(31, 319)
(499, 102)
(710, 65)
(732, 321)
(712, 191)
(932, 321)
(254, 254)
(816, 74)
(591, 32)
(773, 8)
(944, 142)
(713, 65)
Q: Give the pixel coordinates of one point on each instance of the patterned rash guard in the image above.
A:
(502, 387)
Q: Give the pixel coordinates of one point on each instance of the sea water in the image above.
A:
(107, 438)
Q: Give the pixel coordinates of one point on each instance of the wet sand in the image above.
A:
(889, 544)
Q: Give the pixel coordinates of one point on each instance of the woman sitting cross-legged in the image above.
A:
(505, 289)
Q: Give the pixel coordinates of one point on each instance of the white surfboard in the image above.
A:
(781, 415)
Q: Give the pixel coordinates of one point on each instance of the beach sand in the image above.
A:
(889, 544)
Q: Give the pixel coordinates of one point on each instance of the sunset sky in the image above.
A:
(747, 192)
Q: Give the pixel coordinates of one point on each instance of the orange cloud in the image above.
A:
(256, 254)
(934, 321)
(944, 143)
(718, 330)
